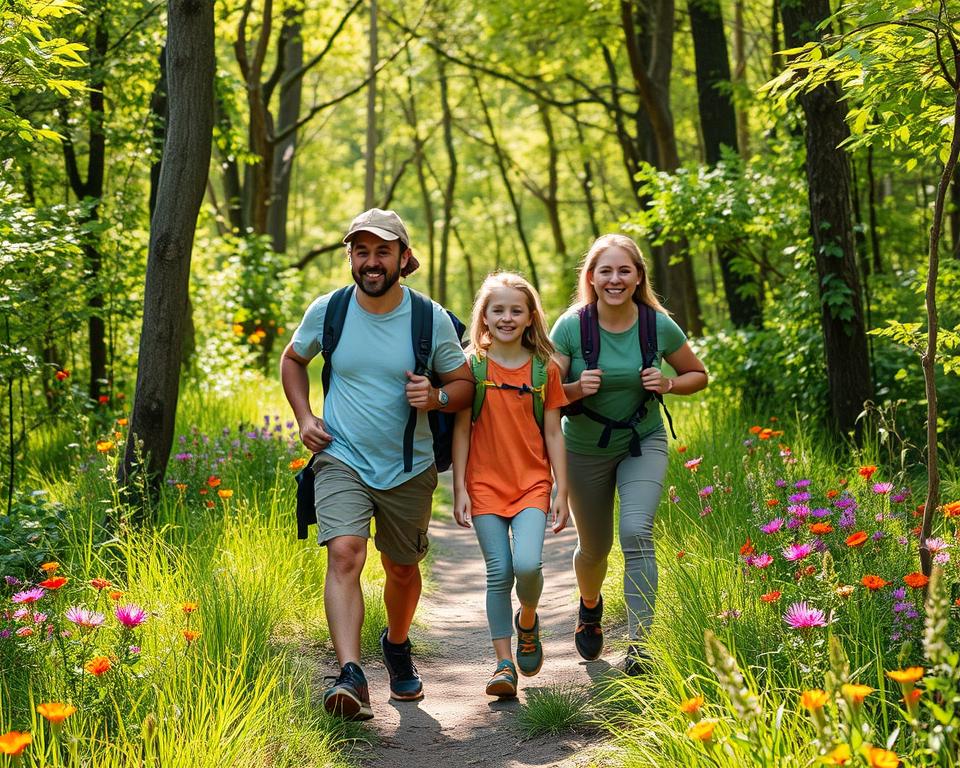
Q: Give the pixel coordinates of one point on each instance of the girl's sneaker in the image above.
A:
(529, 649)
(503, 684)
(589, 635)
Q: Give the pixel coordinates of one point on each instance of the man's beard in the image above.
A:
(367, 286)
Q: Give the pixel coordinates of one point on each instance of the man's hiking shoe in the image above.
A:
(529, 649)
(503, 684)
(405, 682)
(348, 697)
(638, 661)
(589, 635)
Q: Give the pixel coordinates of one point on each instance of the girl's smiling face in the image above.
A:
(615, 277)
(507, 315)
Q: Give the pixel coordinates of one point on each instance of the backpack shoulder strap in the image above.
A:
(539, 371)
(421, 334)
(333, 319)
(478, 366)
(590, 335)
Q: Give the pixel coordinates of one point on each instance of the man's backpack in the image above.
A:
(536, 388)
(441, 424)
(590, 347)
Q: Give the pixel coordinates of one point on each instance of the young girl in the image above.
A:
(503, 452)
(617, 444)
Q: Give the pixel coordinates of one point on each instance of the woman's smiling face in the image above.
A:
(615, 277)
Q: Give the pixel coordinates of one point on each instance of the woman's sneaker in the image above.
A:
(349, 697)
(638, 661)
(503, 684)
(589, 635)
(529, 648)
(405, 682)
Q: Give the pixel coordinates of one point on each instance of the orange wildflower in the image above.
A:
(122, 422)
(832, 493)
(99, 584)
(771, 597)
(904, 676)
(681, 553)
(681, 449)
(691, 706)
(916, 580)
(867, 472)
(873, 583)
(98, 665)
(856, 693)
(13, 743)
(55, 711)
(747, 548)
(882, 758)
(765, 434)
(814, 699)
(61, 375)
(213, 481)
(702, 731)
(180, 487)
(189, 608)
(51, 567)
(104, 445)
(772, 502)
(298, 464)
(210, 505)
(821, 528)
(190, 635)
(839, 755)
(856, 539)
(54, 582)
(952, 509)
(116, 595)
(224, 493)
(755, 430)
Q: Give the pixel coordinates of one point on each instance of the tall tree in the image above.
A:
(183, 177)
(370, 179)
(828, 184)
(718, 122)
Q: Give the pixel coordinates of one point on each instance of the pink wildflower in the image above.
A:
(29, 595)
(131, 616)
(804, 616)
(83, 617)
(796, 552)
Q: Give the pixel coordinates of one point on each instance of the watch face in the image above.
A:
(442, 397)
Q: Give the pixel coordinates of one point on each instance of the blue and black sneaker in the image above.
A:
(405, 682)
(349, 696)
(589, 635)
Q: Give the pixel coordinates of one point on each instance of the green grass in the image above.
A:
(554, 709)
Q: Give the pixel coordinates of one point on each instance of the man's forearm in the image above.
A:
(296, 387)
(460, 394)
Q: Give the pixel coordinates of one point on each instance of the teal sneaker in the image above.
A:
(405, 682)
(503, 683)
(529, 648)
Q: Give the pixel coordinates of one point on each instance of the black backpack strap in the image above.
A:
(648, 348)
(421, 329)
(590, 335)
(333, 319)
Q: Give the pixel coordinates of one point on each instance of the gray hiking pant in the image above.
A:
(638, 481)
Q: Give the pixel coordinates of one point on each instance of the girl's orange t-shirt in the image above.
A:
(508, 469)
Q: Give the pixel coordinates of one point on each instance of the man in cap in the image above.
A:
(360, 467)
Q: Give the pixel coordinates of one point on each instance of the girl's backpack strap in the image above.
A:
(539, 371)
(478, 366)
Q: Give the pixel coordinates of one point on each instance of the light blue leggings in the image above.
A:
(522, 564)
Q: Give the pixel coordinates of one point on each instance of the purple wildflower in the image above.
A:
(799, 498)
(941, 558)
(799, 510)
(845, 502)
(773, 526)
(706, 511)
(882, 488)
(5, 633)
(802, 484)
(793, 523)
(134, 650)
(781, 483)
(706, 491)
(29, 595)
(848, 519)
(821, 512)
(83, 617)
(936, 545)
(877, 535)
(12, 581)
(183, 457)
(795, 552)
(131, 616)
(803, 616)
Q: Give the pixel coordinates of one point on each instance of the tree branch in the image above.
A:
(301, 71)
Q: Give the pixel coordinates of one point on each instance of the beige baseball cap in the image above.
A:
(387, 225)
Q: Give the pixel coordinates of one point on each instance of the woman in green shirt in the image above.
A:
(629, 456)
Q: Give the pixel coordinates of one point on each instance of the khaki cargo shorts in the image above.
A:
(345, 505)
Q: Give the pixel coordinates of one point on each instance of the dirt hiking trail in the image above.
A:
(456, 724)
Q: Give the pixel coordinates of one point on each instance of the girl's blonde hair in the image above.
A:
(586, 294)
(535, 336)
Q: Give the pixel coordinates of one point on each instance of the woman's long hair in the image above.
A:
(535, 336)
(586, 294)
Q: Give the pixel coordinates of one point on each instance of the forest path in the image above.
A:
(456, 723)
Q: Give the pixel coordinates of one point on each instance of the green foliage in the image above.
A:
(554, 710)
(29, 533)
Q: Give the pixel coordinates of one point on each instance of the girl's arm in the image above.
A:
(586, 385)
(691, 375)
(557, 453)
(461, 453)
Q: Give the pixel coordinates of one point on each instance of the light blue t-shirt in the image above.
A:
(366, 409)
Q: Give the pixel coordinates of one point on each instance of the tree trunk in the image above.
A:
(586, 180)
(550, 199)
(287, 114)
(419, 143)
(158, 113)
(230, 172)
(450, 187)
(828, 181)
(740, 78)
(718, 122)
(872, 203)
(648, 32)
(186, 159)
(955, 213)
(371, 158)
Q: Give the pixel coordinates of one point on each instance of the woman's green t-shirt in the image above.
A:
(621, 390)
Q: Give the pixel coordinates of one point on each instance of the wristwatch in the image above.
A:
(442, 398)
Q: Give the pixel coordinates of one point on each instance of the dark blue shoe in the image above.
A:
(349, 696)
(405, 682)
